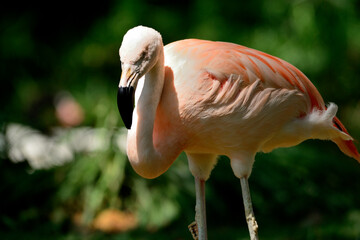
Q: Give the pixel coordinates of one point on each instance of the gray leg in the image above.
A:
(249, 213)
(200, 208)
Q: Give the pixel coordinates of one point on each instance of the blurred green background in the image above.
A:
(63, 171)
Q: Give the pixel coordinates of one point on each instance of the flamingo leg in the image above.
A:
(200, 208)
(249, 213)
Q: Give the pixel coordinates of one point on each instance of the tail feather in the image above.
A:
(346, 146)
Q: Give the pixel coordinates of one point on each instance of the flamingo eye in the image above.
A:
(140, 59)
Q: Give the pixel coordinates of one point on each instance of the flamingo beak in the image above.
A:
(126, 96)
(125, 102)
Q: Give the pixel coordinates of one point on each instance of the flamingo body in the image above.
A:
(225, 99)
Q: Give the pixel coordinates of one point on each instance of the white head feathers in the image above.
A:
(140, 44)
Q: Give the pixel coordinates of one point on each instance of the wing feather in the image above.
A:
(220, 60)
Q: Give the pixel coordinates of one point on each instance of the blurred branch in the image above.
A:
(43, 152)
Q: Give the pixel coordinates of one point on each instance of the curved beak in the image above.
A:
(126, 95)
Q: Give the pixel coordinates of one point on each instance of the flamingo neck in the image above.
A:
(147, 158)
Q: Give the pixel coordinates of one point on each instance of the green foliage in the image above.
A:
(305, 192)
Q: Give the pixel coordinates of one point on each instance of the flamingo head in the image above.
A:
(139, 52)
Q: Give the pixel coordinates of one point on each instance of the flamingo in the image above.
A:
(209, 98)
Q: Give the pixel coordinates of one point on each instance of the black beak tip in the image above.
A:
(125, 102)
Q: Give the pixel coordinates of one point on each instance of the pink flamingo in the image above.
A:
(215, 98)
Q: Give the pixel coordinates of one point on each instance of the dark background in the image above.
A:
(306, 192)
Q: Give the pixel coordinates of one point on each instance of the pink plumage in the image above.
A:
(218, 79)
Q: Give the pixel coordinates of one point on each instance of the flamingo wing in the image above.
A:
(223, 61)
